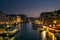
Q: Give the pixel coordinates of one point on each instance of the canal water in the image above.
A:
(27, 33)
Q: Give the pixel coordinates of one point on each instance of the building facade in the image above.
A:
(50, 17)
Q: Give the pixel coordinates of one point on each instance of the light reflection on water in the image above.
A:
(27, 33)
(27, 30)
(43, 35)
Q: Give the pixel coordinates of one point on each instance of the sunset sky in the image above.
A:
(31, 8)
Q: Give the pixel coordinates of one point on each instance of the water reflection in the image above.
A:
(43, 35)
(47, 35)
(27, 33)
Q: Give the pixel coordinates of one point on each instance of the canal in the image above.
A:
(27, 33)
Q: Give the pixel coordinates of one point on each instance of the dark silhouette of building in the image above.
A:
(49, 17)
